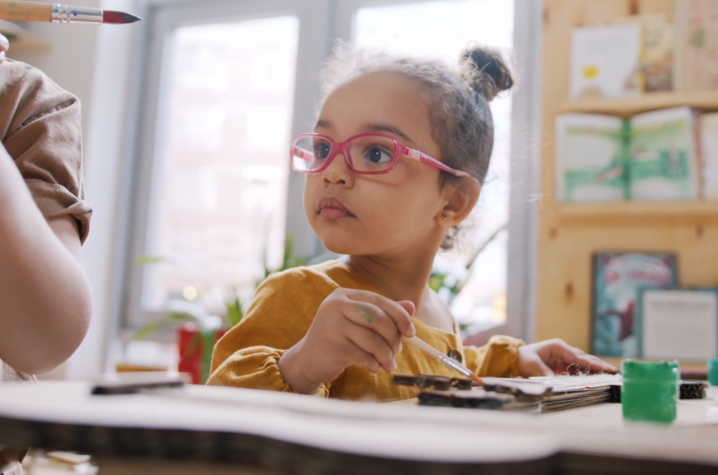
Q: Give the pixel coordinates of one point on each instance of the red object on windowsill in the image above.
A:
(192, 352)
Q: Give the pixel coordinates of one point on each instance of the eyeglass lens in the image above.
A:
(367, 154)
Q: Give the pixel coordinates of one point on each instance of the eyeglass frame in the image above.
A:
(399, 151)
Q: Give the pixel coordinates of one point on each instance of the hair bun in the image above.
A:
(485, 70)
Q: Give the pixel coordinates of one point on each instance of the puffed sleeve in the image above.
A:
(281, 312)
(41, 130)
(498, 358)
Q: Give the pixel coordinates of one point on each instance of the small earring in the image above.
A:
(446, 216)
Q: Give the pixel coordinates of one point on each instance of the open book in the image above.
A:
(652, 156)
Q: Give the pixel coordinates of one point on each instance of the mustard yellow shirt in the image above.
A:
(281, 313)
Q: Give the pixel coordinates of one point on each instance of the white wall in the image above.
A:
(96, 64)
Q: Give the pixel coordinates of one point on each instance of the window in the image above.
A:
(218, 203)
(229, 83)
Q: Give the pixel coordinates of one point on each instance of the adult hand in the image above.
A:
(351, 328)
(551, 357)
(4, 45)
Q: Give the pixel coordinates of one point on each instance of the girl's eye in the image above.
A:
(321, 150)
(377, 155)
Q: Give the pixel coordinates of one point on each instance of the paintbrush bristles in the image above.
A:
(119, 18)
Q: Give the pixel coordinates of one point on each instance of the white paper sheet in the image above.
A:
(680, 324)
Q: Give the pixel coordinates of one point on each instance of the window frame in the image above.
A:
(321, 24)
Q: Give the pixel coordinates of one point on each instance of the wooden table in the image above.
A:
(220, 430)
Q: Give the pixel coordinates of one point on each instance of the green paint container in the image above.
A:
(650, 391)
(713, 371)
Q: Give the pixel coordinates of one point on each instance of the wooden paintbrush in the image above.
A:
(56, 13)
(442, 358)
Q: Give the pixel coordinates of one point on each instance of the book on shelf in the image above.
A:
(589, 158)
(709, 154)
(696, 54)
(605, 61)
(617, 278)
(652, 156)
(657, 50)
(678, 323)
(663, 160)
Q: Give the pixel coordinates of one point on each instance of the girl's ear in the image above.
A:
(461, 199)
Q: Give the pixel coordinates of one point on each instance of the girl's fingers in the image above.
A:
(532, 365)
(569, 355)
(375, 319)
(360, 357)
(598, 365)
(398, 314)
(373, 344)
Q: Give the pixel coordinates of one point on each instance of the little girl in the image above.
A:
(396, 163)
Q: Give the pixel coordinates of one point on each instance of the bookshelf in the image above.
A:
(629, 106)
(640, 210)
(569, 233)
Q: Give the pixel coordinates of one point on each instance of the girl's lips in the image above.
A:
(332, 208)
(333, 213)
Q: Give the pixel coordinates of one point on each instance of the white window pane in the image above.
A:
(413, 29)
(224, 163)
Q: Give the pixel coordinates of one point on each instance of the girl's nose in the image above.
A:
(338, 173)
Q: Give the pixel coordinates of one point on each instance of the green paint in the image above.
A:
(364, 313)
(650, 391)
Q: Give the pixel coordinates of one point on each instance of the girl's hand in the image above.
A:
(551, 357)
(4, 45)
(351, 328)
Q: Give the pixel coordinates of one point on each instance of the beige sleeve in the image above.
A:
(41, 130)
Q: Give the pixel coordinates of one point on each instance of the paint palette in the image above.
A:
(520, 390)
(441, 383)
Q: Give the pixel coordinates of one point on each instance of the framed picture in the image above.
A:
(617, 278)
(678, 323)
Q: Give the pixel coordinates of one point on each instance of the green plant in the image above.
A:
(179, 311)
(234, 309)
(288, 261)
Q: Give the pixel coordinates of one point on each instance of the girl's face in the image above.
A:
(394, 214)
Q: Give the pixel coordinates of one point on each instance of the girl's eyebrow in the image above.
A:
(387, 128)
(325, 124)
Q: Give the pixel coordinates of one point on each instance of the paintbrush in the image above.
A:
(56, 13)
(442, 358)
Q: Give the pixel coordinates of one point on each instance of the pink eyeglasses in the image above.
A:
(364, 154)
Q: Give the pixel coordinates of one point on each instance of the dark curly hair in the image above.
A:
(461, 120)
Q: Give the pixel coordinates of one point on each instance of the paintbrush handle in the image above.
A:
(423, 346)
(441, 357)
(26, 11)
(48, 12)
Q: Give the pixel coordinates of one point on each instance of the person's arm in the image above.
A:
(45, 298)
(508, 357)
(3, 47)
(279, 316)
(498, 358)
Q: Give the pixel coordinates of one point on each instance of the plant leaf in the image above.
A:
(209, 337)
(171, 319)
(235, 313)
(144, 260)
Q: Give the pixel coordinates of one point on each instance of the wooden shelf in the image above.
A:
(631, 105)
(638, 210)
